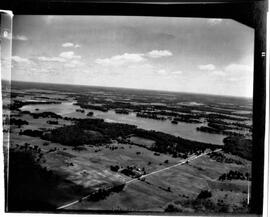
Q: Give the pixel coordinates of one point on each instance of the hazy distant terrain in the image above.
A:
(118, 150)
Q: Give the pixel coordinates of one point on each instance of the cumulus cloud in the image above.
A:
(20, 59)
(14, 37)
(177, 72)
(120, 60)
(214, 21)
(68, 44)
(162, 72)
(20, 37)
(69, 59)
(238, 68)
(63, 57)
(73, 63)
(127, 58)
(159, 53)
(239, 72)
(208, 67)
(69, 55)
(218, 73)
(232, 71)
(51, 59)
(234, 79)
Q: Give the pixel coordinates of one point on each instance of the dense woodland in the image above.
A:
(234, 175)
(98, 132)
(17, 104)
(32, 187)
(18, 122)
(238, 145)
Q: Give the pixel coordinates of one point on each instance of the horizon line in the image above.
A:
(131, 88)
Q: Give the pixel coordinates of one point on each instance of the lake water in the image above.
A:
(184, 130)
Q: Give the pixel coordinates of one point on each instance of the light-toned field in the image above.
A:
(185, 181)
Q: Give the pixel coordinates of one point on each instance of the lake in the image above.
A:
(184, 130)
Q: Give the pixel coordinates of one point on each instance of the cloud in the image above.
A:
(162, 72)
(73, 63)
(69, 59)
(159, 53)
(68, 44)
(128, 58)
(52, 59)
(14, 37)
(232, 71)
(63, 57)
(239, 72)
(208, 67)
(20, 37)
(20, 59)
(69, 55)
(120, 60)
(218, 73)
(177, 72)
(169, 73)
(238, 68)
(214, 21)
(234, 79)
(143, 65)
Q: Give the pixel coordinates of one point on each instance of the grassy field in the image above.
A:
(142, 141)
(185, 182)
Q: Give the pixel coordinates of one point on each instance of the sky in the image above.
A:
(197, 55)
